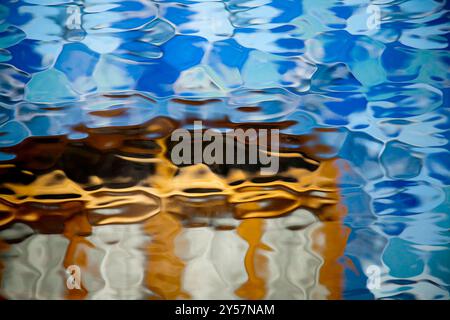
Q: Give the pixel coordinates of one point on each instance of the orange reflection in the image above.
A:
(165, 269)
(76, 229)
(251, 230)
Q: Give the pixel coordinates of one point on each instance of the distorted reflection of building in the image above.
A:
(140, 227)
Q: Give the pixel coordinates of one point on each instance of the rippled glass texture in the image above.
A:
(91, 90)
